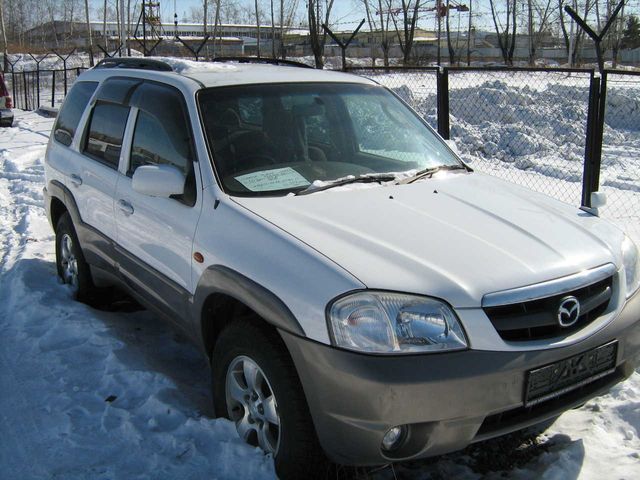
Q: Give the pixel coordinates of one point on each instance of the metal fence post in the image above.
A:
(599, 134)
(595, 133)
(24, 84)
(592, 120)
(53, 88)
(443, 102)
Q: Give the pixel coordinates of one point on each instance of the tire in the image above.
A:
(296, 450)
(6, 124)
(73, 269)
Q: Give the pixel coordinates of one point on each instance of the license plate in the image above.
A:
(561, 377)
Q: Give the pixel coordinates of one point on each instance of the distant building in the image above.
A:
(233, 39)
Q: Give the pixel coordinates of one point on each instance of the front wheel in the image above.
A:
(256, 386)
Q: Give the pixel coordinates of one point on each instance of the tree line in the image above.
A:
(391, 22)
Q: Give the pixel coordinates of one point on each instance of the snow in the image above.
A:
(117, 394)
(86, 393)
(530, 128)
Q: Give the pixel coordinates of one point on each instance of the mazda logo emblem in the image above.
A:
(569, 311)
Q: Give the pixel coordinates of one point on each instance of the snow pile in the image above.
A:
(530, 128)
(90, 394)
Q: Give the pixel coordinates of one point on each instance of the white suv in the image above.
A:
(364, 297)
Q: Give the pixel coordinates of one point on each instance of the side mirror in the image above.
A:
(158, 180)
(598, 199)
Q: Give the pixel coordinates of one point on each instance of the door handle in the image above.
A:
(126, 207)
(76, 179)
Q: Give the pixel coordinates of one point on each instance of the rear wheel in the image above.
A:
(256, 386)
(72, 268)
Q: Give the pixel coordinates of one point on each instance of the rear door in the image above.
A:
(94, 173)
(89, 174)
(155, 235)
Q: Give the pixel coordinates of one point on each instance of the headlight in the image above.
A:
(383, 322)
(631, 265)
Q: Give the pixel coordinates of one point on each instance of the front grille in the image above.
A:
(538, 319)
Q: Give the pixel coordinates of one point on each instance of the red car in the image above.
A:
(6, 104)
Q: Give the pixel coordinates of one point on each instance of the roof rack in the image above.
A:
(138, 63)
(268, 61)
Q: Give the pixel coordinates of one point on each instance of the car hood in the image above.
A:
(455, 236)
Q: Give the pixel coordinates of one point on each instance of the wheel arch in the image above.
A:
(224, 295)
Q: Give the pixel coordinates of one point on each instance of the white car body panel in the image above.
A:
(455, 236)
(160, 230)
(302, 278)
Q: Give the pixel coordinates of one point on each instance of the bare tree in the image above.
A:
(537, 15)
(216, 21)
(205, 6)
(89, 33)
(4, 34)
(317, 35)
(409, 21)
(506, 38)
(452, 52)
(104, 25)
(257, 28)
(273, 33)
(371, 22)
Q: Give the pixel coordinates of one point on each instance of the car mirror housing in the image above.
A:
(158, 181)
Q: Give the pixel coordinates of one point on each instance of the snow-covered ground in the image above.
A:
(89, 394)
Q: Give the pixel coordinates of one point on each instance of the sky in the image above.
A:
(346, 14)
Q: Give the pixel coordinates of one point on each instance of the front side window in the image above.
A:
(279, 138)
(72, 110)
(162, 134)
(106, 130)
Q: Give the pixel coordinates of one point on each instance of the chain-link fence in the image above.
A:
(620, 168)
(416, 86)
(528, 127)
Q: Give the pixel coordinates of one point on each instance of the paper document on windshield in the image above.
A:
(277, 179)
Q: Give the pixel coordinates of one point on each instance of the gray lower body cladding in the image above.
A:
(449, 400)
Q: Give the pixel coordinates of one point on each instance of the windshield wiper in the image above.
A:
(367, 178)
(427, 172)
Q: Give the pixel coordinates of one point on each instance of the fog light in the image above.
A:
(393, 438)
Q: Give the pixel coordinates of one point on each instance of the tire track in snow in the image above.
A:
(22, 149)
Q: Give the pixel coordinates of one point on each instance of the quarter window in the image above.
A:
(72, 110)
(106, 129)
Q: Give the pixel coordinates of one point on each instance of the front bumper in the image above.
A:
(449, 400)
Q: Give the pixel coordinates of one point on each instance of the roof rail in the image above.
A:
(137, 63)
(268, 61)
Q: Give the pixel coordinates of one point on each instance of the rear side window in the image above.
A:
(106, 130)
(72, 110)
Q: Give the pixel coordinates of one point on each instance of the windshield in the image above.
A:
(275, 139)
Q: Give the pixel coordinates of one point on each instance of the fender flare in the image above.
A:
(56, 189)
(218, 279)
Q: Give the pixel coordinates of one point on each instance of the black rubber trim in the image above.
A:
(218, 279)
